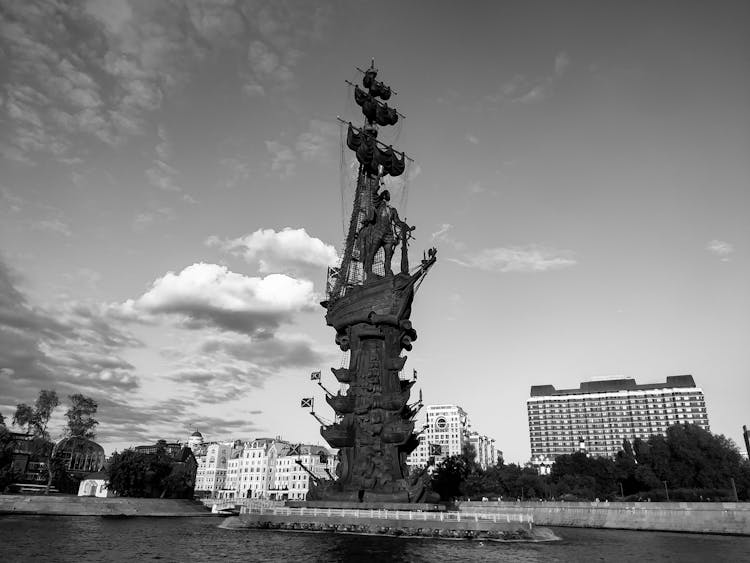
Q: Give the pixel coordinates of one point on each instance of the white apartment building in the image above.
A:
(264, 468)
(212, 468)
(292, 481)
(485, 449)
(601, 413)
(447, 428)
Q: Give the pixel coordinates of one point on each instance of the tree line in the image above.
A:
(34, 421)
(687, 464)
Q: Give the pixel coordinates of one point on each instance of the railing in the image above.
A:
(390, 514)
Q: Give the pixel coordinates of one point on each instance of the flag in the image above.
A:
(435, 449)
(315, 376)
(306, 403)
(295, 450)
(415, 375)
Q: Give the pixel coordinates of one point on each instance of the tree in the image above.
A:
(80, 416)
(135, 474)
(35, 420)
(6, 455)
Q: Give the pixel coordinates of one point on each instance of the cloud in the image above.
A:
(53, 226)
(472, 139)
(720, 248)
(532, 258)
(237, 172)
(152, 215)
(209, 295)
(562, 62)
(106, 65)
(289, 250)
(71, 347)
(161, 174)
(283, 160)
(525, 90)
(318, 142)
(443, 235)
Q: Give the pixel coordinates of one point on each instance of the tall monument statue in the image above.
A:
(369, 307)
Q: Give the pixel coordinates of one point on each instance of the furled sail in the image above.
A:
(376, 88)
(373, 110)
(372, 156)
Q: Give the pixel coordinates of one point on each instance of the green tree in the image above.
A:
(584, 476)
(35, 420)
(80, 415)
(135, 474)
(6, 456)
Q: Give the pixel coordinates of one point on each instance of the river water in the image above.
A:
(78, 539)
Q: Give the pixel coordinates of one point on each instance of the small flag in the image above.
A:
(435, 449)
(295, 450)
(315, 376)
(306, 403)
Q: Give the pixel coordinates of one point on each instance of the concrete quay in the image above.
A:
(731, 518)
(113, 507)
(441, 524)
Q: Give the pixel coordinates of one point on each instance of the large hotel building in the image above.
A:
(601, 413)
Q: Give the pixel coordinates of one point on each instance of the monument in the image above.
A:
(369, 307)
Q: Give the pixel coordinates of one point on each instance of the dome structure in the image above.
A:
(79, 455)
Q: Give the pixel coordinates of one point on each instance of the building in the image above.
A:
(195, 443)
(484, 448)
(212, 468)
(446, 430)
(601, 413)
(267, 468)
(297, 468)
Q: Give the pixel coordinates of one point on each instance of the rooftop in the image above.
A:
(611, 385)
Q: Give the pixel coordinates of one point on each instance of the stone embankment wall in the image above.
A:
(696, 517)
(91, 506)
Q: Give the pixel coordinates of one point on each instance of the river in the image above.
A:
(77, 539)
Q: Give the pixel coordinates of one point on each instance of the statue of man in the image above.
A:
(378, 232)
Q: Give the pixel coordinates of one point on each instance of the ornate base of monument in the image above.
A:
(374, 431)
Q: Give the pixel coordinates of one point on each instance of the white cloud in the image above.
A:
(288, 250)
(53, 226)
(532, 258)
(284, 162)
(525, 90)
(472, 139)
(443, 235)
(211, 295)
(720, 248)
(318, 142)
(562, 62)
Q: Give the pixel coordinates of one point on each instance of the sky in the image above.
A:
(173, 188)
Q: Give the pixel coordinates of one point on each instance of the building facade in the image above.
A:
(264, 468)
(600, 414)
(446, 430)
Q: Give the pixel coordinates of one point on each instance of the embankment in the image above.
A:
(115, 507)
(695, 517)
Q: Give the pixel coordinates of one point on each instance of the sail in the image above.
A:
(373, 110)
(372, 156)
(376, 88)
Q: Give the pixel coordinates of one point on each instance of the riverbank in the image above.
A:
(114, 507)
(731, 518)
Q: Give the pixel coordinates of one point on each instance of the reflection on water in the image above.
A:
(74, 539)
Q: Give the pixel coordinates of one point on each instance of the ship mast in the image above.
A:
(376, 160)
